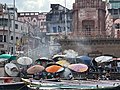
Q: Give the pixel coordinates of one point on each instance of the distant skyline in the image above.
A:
(37, 5)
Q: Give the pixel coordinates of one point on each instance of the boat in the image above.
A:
(13, 86)
(10, 80)
(72, 84)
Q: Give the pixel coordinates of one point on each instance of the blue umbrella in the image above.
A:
(85, 59)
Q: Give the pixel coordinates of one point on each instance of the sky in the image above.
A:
(37, 5)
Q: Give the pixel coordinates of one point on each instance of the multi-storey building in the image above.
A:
(8, 28)
(115, 12)
(59, 23)
(115, 4)
(35, 19)
(37, 41)
(56, 20)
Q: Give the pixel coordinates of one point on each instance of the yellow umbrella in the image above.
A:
(63, 63)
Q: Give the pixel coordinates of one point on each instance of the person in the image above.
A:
(107, 75)
(70, 76)
(95, 65)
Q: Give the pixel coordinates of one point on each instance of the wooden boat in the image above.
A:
(72, 84)
(13, 86)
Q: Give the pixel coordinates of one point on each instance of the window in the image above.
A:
(5, 39)
(11, 37)
(1, 38)
(88, 26)
(115, 12)
(16, 26)
(59, 29)
(16, 38)
(43, 23)
(3, 22)
(54, 30)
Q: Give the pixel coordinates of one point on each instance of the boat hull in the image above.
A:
(72, 84)
(13, 86)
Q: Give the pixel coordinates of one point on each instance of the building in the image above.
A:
(59, 23)
(114, 10)
(115, 4)
(7, 29)
(94, 29)
(36, 42)
(35, 19)
(56, 20)
(89, 18)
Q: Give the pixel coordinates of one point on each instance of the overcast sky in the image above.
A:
(37, 5)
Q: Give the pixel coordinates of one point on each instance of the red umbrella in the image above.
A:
(54, 68)
(78, 67)
(35, 69)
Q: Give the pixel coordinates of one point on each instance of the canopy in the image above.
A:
(24, 60)
(11, 69)
(63, 63)
(7, 56)
(85, 59)
(58, 57)
(78, 67)
(102, 59)
(44, 59)
(35, 69)
(54, 68)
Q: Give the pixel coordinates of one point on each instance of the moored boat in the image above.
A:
(72, 84)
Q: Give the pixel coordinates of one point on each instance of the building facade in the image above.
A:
(114, 10)
(115, 4)
(35, 19)
(89, 18)
(95, 29)
(59, 23)
(7, 28)
(36, 42)
(56, 20)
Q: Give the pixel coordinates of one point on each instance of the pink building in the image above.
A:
(35, 19)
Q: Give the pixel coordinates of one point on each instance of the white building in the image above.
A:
(9, 24)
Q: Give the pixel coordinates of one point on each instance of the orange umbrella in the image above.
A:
(78, 67)
(54, 68)
(35, 69)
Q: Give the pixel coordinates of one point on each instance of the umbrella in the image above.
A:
(58, 57)
(85, 59)
(11, 69)
(52, 63)
(35, 69)
(44, 59)
(78, 67)
(2, 59)
(63, 63)
(116, 59)
(7, 56)
(102, 59)
(24, 60)
(54, 68)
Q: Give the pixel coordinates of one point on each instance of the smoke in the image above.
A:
(70, 53)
